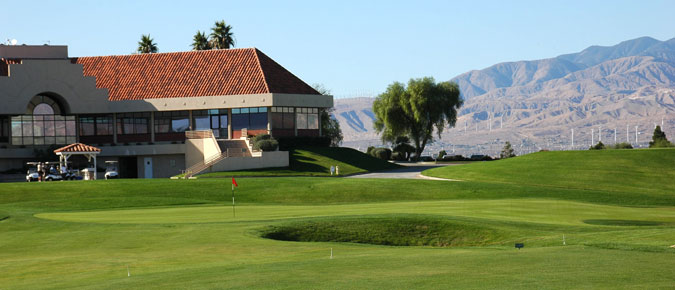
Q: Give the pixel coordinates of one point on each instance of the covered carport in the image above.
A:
(85, 150)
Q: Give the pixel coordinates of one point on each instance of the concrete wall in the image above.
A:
(198, 150)
(163, 166)
(267, 160)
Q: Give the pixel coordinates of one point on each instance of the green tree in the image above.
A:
(415, 110)
(507, 151)
(200, 41)
(441, 154)
(659, 139)
(222, 36)
(147, 44)
(330, 127)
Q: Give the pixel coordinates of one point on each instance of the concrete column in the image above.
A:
(229, 123)
(269, 120)
(319, 116)
(114, 120)
(191, 126)
(295, 121)
(152, 127)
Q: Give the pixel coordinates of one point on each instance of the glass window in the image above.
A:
(223, 121)
(240, 121)
(244, 110)
(87, 127)
(301, 120)
(43, 109)
(236, 111)
(133, 123)
(312, 121)
(258, 121)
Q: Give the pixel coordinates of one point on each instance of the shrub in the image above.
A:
(441, 154)
(266, 145)
(381, 153)
(265, 142)
(622, 145)
(598, 146)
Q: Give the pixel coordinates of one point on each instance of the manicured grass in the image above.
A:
(183, 233)
(650, 171)
(316, 161)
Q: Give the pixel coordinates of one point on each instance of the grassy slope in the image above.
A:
(633, 171)
(180, 235)
(316, 161)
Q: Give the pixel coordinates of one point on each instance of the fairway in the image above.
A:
(182, 233)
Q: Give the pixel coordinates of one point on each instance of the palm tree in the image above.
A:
(147, 44)
(221, 35)
(200, 42)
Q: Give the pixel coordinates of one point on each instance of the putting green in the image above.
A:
(517, 210)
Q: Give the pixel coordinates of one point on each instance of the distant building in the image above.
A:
(138, 107)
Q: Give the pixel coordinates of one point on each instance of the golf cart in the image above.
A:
(50, 169)
(111, 170)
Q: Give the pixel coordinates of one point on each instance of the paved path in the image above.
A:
(409, 171)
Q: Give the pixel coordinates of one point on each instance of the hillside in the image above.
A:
(540, 101)
(650, 171)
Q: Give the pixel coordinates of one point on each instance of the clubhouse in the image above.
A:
(138, 108)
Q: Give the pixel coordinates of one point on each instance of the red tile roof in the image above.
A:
(77, 147)
(191, 74)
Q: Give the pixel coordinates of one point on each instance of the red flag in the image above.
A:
(234, 182)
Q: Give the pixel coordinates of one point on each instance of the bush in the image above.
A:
(381, 153)
(290, 143)
(598, 146)
(370, 150)
(622, 145)
(455, 158)
(266, 145)
(265, 142)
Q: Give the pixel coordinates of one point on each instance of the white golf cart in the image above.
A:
(51, 171)
(111, 170)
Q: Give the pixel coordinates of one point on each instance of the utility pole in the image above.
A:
(614, 135)
(600, 134)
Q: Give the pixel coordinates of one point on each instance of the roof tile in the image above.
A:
(77, 147)
(191, 74)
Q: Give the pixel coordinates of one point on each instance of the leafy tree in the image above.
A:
(222, 36)
(402, 147)
(441, 154)
(659, 139)
(598, 146)
(415, 110)
(330, 127)
(507, 151)
(200, 42)
(147, 44)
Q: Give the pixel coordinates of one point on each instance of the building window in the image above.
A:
(307, 118)
(249, 118)
(42, 129)
(96, 125)
(171, 122)
(133, 123)
(283, 118)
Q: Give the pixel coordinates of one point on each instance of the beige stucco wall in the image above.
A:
(267, 160)
(80, 95)
(163, 166)
(198, 150)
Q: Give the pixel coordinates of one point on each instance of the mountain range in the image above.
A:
(536, 104)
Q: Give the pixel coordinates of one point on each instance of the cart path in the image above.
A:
(408, 171)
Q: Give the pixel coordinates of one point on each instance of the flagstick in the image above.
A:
(128, 273)
(233, 213)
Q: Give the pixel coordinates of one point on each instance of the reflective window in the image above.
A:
(133, 123)
(42, 129)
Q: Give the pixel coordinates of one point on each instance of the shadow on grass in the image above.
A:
(623, 223)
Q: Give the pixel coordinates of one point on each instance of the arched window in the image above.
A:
(43, 105)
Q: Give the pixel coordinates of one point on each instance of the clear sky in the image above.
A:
(352, 47)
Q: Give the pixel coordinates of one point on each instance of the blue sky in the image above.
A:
(352, 47)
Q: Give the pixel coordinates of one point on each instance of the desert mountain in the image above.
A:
(541, 101)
